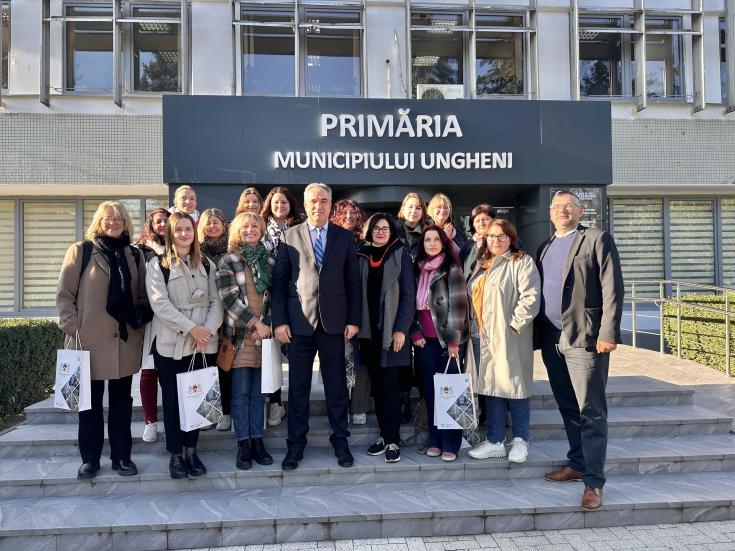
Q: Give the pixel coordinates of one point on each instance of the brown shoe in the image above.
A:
(566, 474)
(591, 498)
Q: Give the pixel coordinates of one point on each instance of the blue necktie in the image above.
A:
(318, 248)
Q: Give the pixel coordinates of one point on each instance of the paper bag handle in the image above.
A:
(193, 357)
(76, 341)
(449, 360)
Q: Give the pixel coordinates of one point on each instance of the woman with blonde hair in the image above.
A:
(250, 201)
(212, 234)
(187, 316)
(185, 201)
(101, 300)
(440, 212)
(505, 290)
(412, 219)
(244, 282)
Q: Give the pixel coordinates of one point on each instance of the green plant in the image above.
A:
(702, 332)
(27, 362)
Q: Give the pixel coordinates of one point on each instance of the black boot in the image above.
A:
(177, 466)
(259, 453)
(242, 460)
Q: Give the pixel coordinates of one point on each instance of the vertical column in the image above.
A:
(117, 81)
(730, 53)
(698, 55)
(45, 52)
(574, 49)
(641, 94)
(532, 41)
(184, 49)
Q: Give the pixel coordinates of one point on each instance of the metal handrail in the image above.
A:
(662, 299)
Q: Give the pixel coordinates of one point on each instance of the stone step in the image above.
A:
(56, 476)
(193, 519)
(29, 440)
(621, 392)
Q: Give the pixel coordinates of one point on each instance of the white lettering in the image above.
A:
(347, 122)
(280, 162)
(329, 122)
(452, 127)
(423, 126)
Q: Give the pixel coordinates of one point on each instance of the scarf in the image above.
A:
(274, 233)
(478, 289)
(215, 248)
(257, 258)
(427, 267)
(119, 295)
(376, 255)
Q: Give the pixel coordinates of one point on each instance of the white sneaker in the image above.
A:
(150, 432)
(224, 423)
(276, 412)
(359, 418)
(486, 449)
(518, 450)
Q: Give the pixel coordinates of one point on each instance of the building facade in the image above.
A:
(83, 81)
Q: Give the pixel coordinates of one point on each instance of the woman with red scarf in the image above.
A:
(388, 295)
(440, 327)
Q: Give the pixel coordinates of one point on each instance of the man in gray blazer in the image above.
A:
(316, 306)
(578, 327)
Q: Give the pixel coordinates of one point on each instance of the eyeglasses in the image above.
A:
(381, 229)
(500, 238)
(565, 206)
(112, 220)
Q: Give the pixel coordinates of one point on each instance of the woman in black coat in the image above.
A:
(388, 307)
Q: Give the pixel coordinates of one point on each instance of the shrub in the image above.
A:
(702, 332)
(27, 362)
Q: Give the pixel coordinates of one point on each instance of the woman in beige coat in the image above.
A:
(187, 316)
(505, 292)
(104, 302)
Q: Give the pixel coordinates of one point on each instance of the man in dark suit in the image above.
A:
(578, 327)
(316, 306)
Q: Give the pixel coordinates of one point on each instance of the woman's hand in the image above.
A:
(453, 350)
(201, 335)
(420, 343)
(399, 339)
(261, 330)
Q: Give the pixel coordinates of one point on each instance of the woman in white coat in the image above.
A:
(187, 315)
(505, 293)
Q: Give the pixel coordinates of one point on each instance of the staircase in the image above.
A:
(668, 461)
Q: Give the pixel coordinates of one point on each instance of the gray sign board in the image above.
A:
(351, 141)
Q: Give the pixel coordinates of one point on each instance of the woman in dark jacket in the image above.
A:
(440, 213)
(412, 219)
(388, 291)
(440, 326)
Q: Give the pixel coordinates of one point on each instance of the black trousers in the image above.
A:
(92, 421)
(301, 354)
(225, 389)
(168, 368)
(386, 389)
(578, 378)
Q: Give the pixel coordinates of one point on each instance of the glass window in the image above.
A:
(5, 46)
(499, 55)
(727, 213)
(156, 51)
(692, 241)
(156, 203)
(88, 50)
(48, 230)
(268, 53)
(437, 53)
(332, 54)
(7, 256)
(601, 56)
(664, 58)
(723, 59)
(639, 236)
(132, 206)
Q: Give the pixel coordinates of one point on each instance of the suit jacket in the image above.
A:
(592, 295)
(303, 295)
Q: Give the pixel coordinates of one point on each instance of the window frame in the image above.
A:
(122, 20)
(469, 30)
(298, 26)
(5, 6)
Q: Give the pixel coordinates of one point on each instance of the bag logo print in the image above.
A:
(446, 390)
(195, 389)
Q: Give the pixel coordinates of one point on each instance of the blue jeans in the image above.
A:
(431, 359)
(496, 410)
(247, 403)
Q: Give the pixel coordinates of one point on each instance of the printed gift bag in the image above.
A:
(72, 389)
(271, 378)
(200, 401)
(454, 405)
(350, 365)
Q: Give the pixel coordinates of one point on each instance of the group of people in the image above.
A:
(411, 295)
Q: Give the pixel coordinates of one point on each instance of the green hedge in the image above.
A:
(702, 332)
(27, 362)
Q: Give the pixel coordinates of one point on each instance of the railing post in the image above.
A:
(633, 313)
(678, 321)
(727, 335)
(661, 295)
